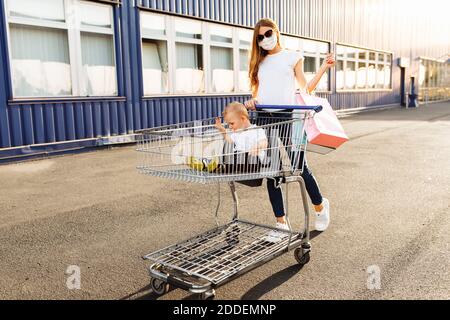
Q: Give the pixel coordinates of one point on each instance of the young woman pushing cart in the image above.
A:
(273, 72)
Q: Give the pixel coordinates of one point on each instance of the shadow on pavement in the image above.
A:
(147, 296)
(254, 293)
(271, 282)
(276, 279)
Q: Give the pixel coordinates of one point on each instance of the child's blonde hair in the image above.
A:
(236, 108)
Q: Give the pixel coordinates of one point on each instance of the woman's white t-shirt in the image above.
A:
(276, 77)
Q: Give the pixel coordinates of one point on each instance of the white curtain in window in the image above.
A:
(222, 69)
(387, 77)
(244, 81)
(189, 77)
(422, 70)
(362, 75)
(340, 79)
(42, 9)
(380, 76)
(371, 73)
(96, 15)
(40, 62)
(154, 60)
(99, 71)
(350, 75)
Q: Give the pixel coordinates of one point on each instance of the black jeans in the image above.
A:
(275, 195)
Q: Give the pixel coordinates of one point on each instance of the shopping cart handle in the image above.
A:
(295, 107)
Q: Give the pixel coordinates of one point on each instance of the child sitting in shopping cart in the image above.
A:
(246, 138)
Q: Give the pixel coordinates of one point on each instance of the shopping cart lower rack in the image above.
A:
(197, 152)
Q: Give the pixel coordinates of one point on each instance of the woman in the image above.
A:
(273, 72)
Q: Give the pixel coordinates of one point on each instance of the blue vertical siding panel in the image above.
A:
(27, 122)
(79, 120)
(121, 111)
(158, 112)
(97, 118)
(114, 119)
(60, 122)
(5, 137)
(144, 116)
(126, 57)
(185, 108)
(154, 117)
(49, 123)
(39, 123)
(106, 124)
(88, 120)
(16, 126)
(5, 128)
(70, 121)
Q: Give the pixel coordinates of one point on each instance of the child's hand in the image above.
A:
(219, 125)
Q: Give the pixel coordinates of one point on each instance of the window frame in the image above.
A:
(170, 53)
(74, 28)
(367, 61)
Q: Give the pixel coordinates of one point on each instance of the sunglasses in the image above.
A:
(266, 34)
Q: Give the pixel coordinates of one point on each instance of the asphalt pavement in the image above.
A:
(389, 190)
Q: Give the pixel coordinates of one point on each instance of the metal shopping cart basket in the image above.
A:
(197, 152)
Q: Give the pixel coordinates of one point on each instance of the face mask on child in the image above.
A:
(269, 43)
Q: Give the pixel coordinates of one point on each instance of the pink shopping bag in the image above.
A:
(324, 129)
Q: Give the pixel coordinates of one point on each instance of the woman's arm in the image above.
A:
(300, 76)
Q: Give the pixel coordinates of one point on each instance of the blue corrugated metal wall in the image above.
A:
(376, 24)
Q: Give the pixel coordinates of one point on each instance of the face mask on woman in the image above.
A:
(269, 43)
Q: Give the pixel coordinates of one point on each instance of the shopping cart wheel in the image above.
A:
(159, 287)
(208, 295)
(301, 256)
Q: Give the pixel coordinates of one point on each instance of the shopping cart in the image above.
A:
(197, 152)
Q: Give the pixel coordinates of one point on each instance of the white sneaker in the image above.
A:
(323, 217)
(277, 236)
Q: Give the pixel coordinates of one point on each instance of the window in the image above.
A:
(361, 69)
(350, 74)
(221, 55)
(189, 75)
(61, 48)
(189, 71)
(361, 75)
(434, 79)
(154, 54)
(98, 76)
